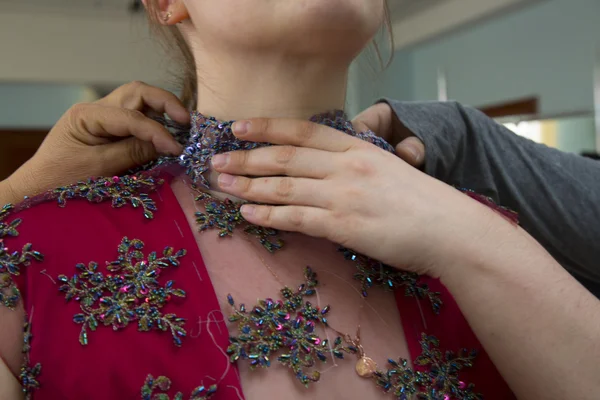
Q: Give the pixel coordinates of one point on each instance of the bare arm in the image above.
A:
(538, 324)
(10, 389)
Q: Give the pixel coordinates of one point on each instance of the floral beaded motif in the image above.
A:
(29, 374)
(439, 382)
(163, 384)
(371, 273)
(121, 190)
(285, 328)
(226, 216)
(130, 293)
(12, 262)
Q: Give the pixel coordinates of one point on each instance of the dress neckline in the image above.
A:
(209, 136)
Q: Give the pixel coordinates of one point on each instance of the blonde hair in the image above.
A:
(175, 44)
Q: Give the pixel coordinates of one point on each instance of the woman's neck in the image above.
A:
(268, 85)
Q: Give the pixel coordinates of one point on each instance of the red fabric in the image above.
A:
(454, 333)
(114, 365)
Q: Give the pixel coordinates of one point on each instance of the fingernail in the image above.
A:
(247, 210)
(220, 160)
(413, 152)
(240, 128)
(226, 180)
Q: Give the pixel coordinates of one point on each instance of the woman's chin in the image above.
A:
(362, 14)
(302, 25)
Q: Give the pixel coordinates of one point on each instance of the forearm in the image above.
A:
(539, 326)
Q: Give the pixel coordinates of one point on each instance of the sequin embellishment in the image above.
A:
(210, 136)
(29, 375)
(286, 329)
(163, 384)
(121, 190)
(130, 293)
(12, 262)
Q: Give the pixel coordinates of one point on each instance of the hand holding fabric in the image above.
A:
(327, 184)
(104, 138)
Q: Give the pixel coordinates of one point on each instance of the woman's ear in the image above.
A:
(176, 12)
(168, 12)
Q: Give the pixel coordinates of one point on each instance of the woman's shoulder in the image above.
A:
(69, 219)
(119, 191)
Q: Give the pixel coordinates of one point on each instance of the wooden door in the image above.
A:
(17, 146)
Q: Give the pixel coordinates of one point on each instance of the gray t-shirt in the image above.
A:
(557, 194)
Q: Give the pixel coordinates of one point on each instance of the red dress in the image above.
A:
(106, 306)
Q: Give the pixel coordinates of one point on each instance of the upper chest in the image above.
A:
(240, 266)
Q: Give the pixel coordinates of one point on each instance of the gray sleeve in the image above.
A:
(557, 194)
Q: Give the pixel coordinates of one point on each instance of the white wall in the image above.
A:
(82, 49)
(546, 50)
(38, 106)
(436, 18)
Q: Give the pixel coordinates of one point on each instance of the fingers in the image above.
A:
(111, 122)
(141, 97)
(276, 190)
(308, 220)
(412, 150)
(377, 118)
(276, 160)
(121, 156)
(295, 133)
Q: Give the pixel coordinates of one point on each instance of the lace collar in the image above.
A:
(209, 136)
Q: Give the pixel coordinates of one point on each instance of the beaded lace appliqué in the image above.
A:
(285, 328)
(29, 374)
(440, 381)
(11, 262)
(226, 217)
(129, 293)
(121, 190)
(370, 272)
(210, 136)
(163, 384)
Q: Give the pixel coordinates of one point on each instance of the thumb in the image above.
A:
(412, 150)
(377, 118)
(126, 154)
